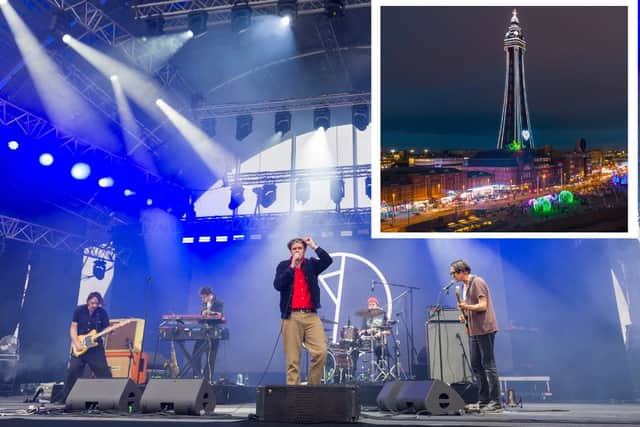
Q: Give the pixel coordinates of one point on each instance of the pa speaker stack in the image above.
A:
(308, 403)
(432, 396)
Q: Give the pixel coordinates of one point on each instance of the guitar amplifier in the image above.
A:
(308, 403)
(126, 337)
(125, 364)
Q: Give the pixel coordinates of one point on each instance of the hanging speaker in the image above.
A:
(181, 396)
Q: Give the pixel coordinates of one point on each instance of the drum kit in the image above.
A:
(362, 355)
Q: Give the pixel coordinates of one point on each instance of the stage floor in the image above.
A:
(14, 412)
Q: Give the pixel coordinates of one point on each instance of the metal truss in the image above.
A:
(241, 227)
(36, 127)
(98, 23)
(276, 177)
(297, 104)
(23, 231)
(175, 11)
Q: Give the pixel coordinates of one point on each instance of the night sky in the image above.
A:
(443, 71)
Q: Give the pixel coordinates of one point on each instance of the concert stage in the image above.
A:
(13, 412)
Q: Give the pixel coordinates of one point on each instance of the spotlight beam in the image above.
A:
(65, 108)
(212, 154)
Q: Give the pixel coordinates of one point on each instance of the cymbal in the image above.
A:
(369, 312)
(328, 321)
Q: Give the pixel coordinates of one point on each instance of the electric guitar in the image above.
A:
(90, 339)
(464, 313)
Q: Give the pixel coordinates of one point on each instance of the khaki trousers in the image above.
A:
(307, 328)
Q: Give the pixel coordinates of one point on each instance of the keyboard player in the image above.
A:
(207, 347)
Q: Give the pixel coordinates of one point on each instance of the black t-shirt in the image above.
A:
(98, 321)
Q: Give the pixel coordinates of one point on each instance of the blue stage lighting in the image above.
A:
(13, 145)
(80, 171)
(46, 159)
(149, 202)
(105, 182)
(129, 193)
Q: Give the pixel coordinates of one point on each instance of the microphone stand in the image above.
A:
(146, 312)
(465, 361)
(410, 289)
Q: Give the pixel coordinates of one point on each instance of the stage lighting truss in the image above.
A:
(288, 9)
(321, 118)
(237, 196)
(303, 191)
(244, 126)
(198, 23)
(360, 116)
(337, 190)
(283, 122)
(334, 8)
(155, 26)
(240, 16)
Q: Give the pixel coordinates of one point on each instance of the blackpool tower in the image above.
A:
(515, 125)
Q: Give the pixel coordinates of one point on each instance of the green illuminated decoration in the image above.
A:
(515, 146)
(565, 197)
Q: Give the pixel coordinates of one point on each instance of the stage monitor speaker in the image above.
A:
(308, 403)
(184, 397)
(431, 396)
(121, 395)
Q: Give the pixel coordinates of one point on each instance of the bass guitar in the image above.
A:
(90, 339)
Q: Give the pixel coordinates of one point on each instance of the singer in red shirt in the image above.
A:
(297, 281)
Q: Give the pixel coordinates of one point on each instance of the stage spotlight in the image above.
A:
(105, 182)
(3, 2)
(303, 191)
(283, 122)
(360, 116)
(114, 78)
(288, 10)
(237, 196)
(337, 190)
(268, 195)
(80, 171)
(244, 126)
(321, 118)
(198, 23)
(155, 26)
(367, 186)
(99, 269)
(13, 145)
(240, 17)
(66, 38)
(160, 102)
(208, 126)
(46, 159)
(334, 8)
(149, 202)
(128, 193)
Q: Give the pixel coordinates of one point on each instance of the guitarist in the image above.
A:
(86, 318)
(477, 309)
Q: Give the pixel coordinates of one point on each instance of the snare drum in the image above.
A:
(349, 334)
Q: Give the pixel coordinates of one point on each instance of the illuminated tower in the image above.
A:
(515, 124)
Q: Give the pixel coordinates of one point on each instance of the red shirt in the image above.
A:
(301, 296)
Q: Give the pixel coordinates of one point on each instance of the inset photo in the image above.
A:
(505, 120)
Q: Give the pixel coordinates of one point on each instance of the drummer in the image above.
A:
(374, 326)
